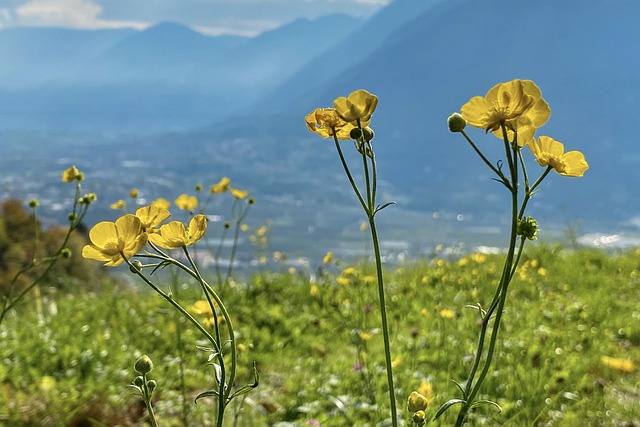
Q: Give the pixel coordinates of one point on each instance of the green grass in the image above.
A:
(565, 311)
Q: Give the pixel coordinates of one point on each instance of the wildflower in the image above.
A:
(238, 194)
(72, 174)
(151, 217)
(549, 152)
(327, 258)
(396, 362)
(261, 231)
(174, 235)
(528, 227)
(34, 203)
(357, 107)
(326, 123)
(198, 187)
(516, 104)
(418, 417)
(341, 280)
(364, 226)
(426, 389)
(365, 336)
(201, 307)
(314, 290)
(133, 193)
(186, 202)
(161, 202)
(244, 227)
(277, 256)
(112, 242)
(292, 270)
(623, 365)
(120, 204)
(446, 313)
(416, 402)
(221, 186)
(369, 279)
(350, 271)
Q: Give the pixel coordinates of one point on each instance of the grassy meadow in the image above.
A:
(570, 345)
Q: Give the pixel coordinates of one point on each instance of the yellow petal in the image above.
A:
(103, 233)
(151, 216)
(576, 164)
(475, 112)
(197, 228)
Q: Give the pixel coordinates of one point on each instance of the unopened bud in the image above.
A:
(528, 228)
(66, 253)
(72, 217)
(368, 133)
(143, 365)
(138, 381)
(355, 133)
(152, 384)
(136, 266)
(456, 123)
(419, 417)
(416, 402)
(34, 203)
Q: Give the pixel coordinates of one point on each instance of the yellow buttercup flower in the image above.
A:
(161, 202)
(446, 313)
(238, 194)
(359, 105)
(417, 402)
(72, 174)
(151, 217)
(174, 235)
(623, 365)
(505, 103)
(549, 152)
(120, 204)
(133, 193)
(111, 241)
(326, 123)
(221, 186)
(327, 258)
(201, 307)
(186, 202)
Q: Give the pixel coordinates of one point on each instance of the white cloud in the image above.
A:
(68, 13)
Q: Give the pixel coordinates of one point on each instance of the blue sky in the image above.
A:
(240, 17)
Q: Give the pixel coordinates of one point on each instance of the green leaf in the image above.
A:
(446, 406)
(486, 402)
(209, 393)
(247, 388)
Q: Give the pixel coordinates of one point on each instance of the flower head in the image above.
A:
(151, 217)
(238, 194)
(416, 402)
(120, 204)
(186, 202)
(358, 106)
(549, 152)
(72, 174)
(174, 235)
(516, 104)
(110, 241)
(221, 186)
(161, 202)
(326, 123)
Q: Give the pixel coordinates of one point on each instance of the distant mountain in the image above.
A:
(165, 77)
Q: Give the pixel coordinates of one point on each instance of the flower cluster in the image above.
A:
(515, 110)
(113, 242)
(348, 113)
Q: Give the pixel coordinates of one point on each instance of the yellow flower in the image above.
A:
(358, 106)
(396, 362)
(120, 204)
(505, 103)
(314, 290)
(151, 217)
(416, 402)
(72, 174)
(426, 389)
(238, 194)
(221, 186)
(446, 313)
(350, 271)
(326, 123)
(341, 280)
(623, 365)
(549, 152)
(111, 241)
(174, 235)
(133, 193)
(365, 336)
(186, 202)
(201, 307)
(161, 202)
(327, 258)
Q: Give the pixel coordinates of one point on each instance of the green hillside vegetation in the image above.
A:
(569, 353)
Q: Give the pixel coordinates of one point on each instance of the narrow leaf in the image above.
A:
(446, 406)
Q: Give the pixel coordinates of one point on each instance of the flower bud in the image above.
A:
(419, 417)
(251, 201)
(143, 365)
(198, 187)
(416, 402)
(138, 381)
(136, 266)
(368, 133)
(456, 122)
(34, 203)
(66, 253)
(152, 384)
(133, 193)
(72, 217)
(355, 133)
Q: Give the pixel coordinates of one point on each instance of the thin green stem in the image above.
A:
(349, 176)
(497, 171)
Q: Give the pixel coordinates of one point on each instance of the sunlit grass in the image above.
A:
(319, 351)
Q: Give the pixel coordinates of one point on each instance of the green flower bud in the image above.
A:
(72, 217)
(152, 384)
(143, 365)
(416, 402)
(355, 133)
(138, 381)
(34, 203)
(456, 123)
(136, 266)
(528, 228)
(251, 201)
(66, 253)
(198, 187)
(227, 225)
(368, 133)
(419, 417)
